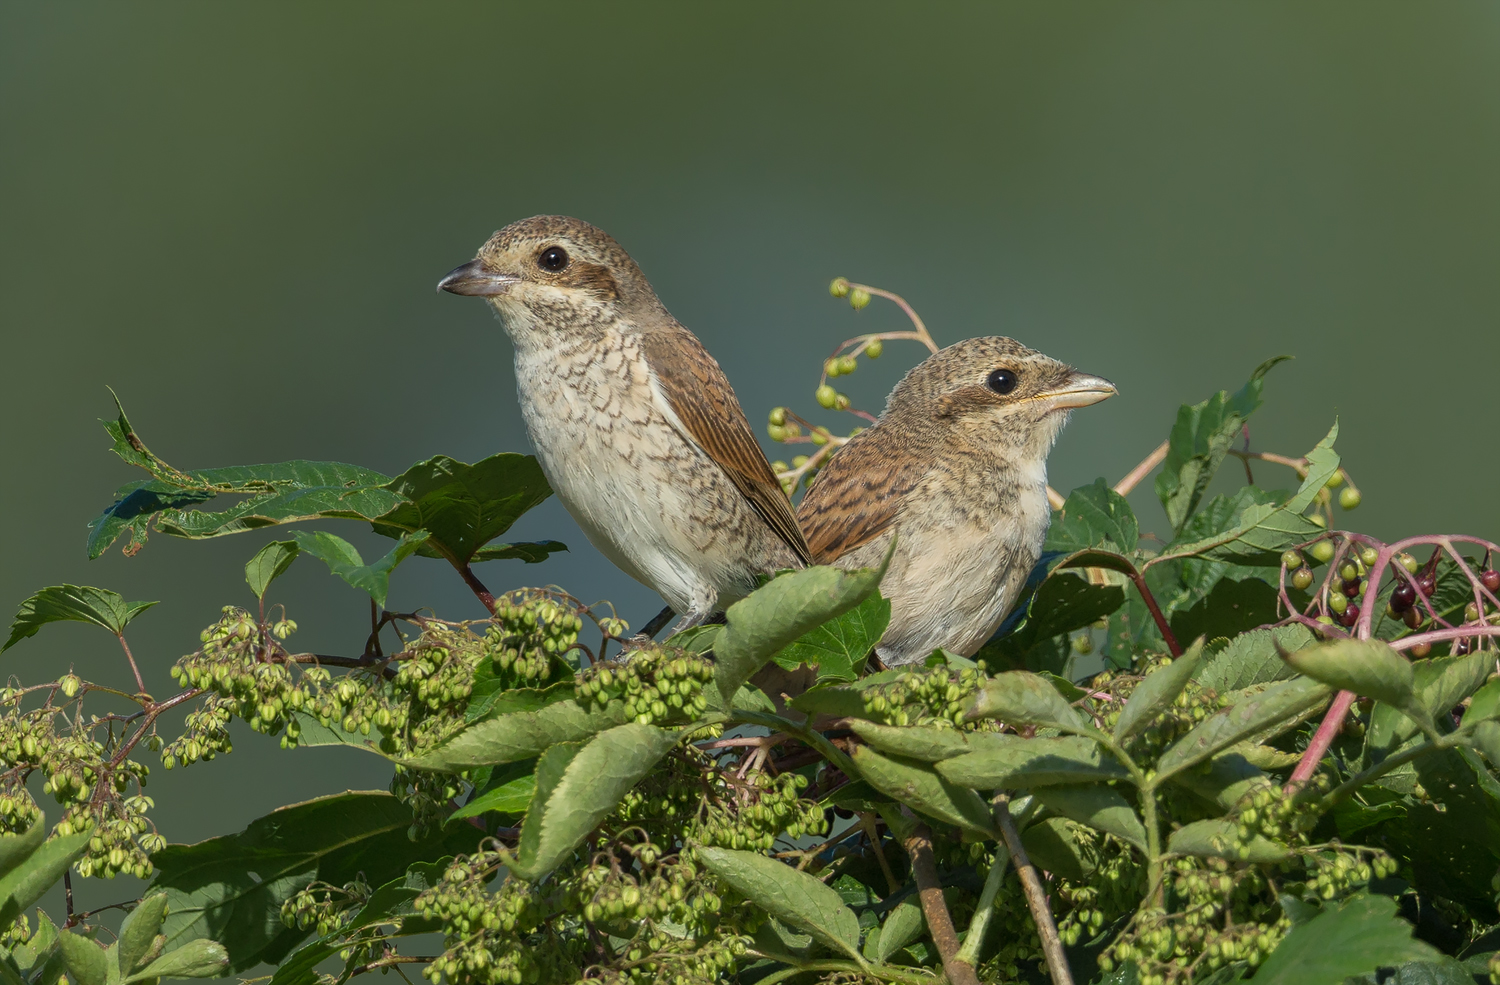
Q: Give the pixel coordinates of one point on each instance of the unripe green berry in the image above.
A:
(875, 348)
(1291, 560)
(1349, 498)
(826, 396)
(1322, 551)
(839, 288)
(1302, 578)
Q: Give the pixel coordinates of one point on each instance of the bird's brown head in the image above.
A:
(995, 389)
(555, 270)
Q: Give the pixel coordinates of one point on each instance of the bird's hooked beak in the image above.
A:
(1079, 391)
(474, 279)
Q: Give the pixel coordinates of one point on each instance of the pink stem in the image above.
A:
(1321, 740)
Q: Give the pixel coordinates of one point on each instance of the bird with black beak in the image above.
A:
(635, 425)
(955, 471)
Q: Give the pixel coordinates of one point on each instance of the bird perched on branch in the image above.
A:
(634, 423)
(956, 471)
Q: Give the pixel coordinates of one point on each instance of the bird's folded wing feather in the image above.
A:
(856, 497)
(703, 400)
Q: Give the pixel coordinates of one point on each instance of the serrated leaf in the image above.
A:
(1251, 658)
(1230, 608)
(511, 797)
(138, 930)
(268, 564)
(924, 743)
(343, 560)
(917, 786)
(1032, 763)
(232, 887)
(1019, 697)
(73, 603)
(1484, 705)
(87, 964)
(529, 551)
(42, 869)
(17, 848)
(195, 959)
(1156, 692)
(902, 925)
(784, 609)
(462, 506)
(577, 784)
(1362, 935)
(1093, 516)
(1439, 684)
(1200, 438)
(1063, 602)
(1223, 780)
(1097, 805)
(840, 646)
(508, 736)
(1369, 668)
(1219, 838)
(795, 898)
(1250, 715)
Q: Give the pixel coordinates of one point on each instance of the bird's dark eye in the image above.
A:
(1002, 381)
(553, 258)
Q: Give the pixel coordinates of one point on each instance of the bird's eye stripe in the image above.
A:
(1002, 381)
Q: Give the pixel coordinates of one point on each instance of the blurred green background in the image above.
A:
(236, 216)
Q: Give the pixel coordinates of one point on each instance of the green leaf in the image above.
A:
(138, 930)
(463, 506)
(269, 563)
(17, 848)
(783, 610)
(1322, 462)
(1064, 602)
(508, 736)
(1251, 658)
(1032, 763)
(1229, 609)
(1369, 668)
(1219, 838)
(1440, 683)
(43, 868)
(1357, 938)
(903, 925)
(923, 743)
(795, 898)
(1250, 715)
(511, 797)
(73, 603)
(1156, 693)
(1052, 844)
(1018, 697)
(1098, 805)
(916, 785)
(840, 647)
(87, 964)
(195, 959)
(1443, 971)
(1200, 439)
(1223, 780)
(529, 551)
(343, 560)
(577, 784)
(1483, 706)
(1452, 837)
(1093, 516)
(1223, 513)
(231, 888)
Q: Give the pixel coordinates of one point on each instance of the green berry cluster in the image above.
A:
(1191, 707)
(752, 813)
(324, 908)
(76, 757)
(655, 685)
(528, 638)
(233, 665)
(205, 734)
(1112, 889)
(932, 697)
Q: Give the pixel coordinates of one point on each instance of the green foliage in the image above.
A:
(558, 814)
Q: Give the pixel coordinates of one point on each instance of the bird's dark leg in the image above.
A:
(657, 622)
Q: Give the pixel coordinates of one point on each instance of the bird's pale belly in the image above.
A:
(636, 488)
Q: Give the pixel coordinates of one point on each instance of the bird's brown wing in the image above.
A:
(704, 402)
(856, 496)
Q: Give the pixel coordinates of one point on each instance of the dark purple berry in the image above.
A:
(1351, 588)
(1426, 584)
(1350, 615)
(1412, 617)
(1403, 598)
(1490, 579)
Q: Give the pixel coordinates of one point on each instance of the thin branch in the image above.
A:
(867, 821)
(1139, 580)
(930, 891)
(1036, 896)
(139, 683)
(974, 939)
(1134, 476)
(1321, 740)
(476, 586)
